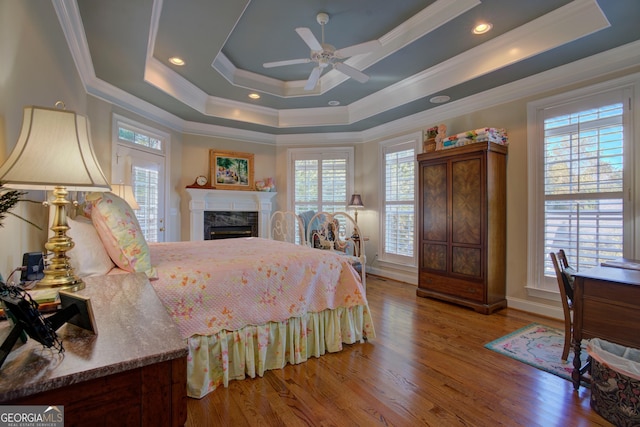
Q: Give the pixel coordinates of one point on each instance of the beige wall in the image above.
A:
(33, 71)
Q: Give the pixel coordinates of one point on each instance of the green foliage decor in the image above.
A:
(8, 200)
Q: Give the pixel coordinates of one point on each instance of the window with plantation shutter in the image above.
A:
(583, 181)
(398, 213)
(322, 179)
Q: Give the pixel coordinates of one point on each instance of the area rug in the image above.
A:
(539, 346)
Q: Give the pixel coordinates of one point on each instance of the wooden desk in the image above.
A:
(607, 306)
(132, 373)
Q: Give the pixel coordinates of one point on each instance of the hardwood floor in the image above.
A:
(427, 366)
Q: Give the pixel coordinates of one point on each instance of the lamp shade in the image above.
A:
(125, 192)
(356, 201)
(53, 149)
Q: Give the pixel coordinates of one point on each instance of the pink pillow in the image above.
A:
(120, 233)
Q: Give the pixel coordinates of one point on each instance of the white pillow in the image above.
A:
(88, 257)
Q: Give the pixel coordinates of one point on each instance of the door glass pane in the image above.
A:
(146, 190)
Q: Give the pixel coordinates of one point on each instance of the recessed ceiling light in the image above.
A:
(333, 103)
(439, 99)
(254, 95)
(482, 28)
(176, 61)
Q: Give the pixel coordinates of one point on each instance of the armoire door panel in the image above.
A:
(467, 261)
(466, 199)
(434, 257)
(434, 184)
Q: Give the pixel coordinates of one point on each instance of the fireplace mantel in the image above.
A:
(203, 199)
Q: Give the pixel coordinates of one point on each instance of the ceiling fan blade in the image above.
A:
(351, 72)
(358, 49)
(286, 62)
(309, 38)
(313, 78)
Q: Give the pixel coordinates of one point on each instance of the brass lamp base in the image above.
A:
(62, 281)
(59, 274)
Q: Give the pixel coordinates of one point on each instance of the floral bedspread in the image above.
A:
(215, 285)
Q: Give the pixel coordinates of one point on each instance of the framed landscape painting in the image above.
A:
(231, 170)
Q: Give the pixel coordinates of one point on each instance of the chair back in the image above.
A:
(564, 274)
(564, 277)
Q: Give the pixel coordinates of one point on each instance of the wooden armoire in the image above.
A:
(462, 225)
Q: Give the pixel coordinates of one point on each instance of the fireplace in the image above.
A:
(230, 224)
(204, 201)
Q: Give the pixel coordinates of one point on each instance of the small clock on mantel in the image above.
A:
(200, 182)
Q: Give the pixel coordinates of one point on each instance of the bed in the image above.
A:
(243, 306)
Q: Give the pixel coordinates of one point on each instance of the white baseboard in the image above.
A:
(535, 308)
(394, 274)
(516, 303)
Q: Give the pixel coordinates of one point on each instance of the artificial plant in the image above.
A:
(8, 200)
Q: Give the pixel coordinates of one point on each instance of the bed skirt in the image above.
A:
(233, 355)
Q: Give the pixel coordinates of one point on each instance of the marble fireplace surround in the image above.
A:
(204, 200)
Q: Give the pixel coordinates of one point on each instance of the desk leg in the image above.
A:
(576, 375)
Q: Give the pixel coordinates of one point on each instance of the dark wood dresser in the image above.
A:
(462, 226)
(132, 373)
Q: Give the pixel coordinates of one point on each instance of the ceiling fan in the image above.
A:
(326, 55)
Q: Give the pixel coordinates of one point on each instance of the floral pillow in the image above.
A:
(120, 233)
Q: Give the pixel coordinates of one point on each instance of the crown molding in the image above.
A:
(583, 17)
(570, 22)
(613, 60)
(71, 23)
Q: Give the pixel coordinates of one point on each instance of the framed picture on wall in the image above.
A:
(231, 170)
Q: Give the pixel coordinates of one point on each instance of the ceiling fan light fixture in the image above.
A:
(322, 18)
(324, 54)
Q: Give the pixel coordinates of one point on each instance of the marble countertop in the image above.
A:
(134, 330)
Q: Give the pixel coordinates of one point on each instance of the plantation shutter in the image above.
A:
(334, 185)
(583, 184)
(146, 189)
(399, 203)
(320, 182)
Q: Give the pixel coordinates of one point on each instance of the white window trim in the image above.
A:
(165, 152)
(416, 139)
(141, 128)
(349, 153)
(535, 262)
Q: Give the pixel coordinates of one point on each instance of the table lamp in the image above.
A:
(125, 192)
(54, 152)
(356, 202)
